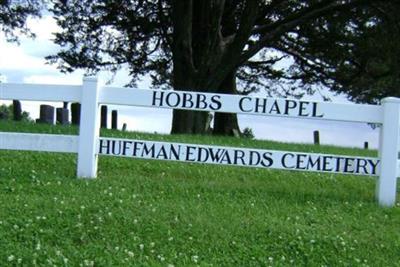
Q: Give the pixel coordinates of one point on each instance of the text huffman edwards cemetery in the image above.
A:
(244, 104)
(238, 156)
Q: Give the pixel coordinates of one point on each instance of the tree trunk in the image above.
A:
(189, 122)
(227, 123)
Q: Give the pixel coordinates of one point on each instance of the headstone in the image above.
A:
(114, 119)
(17, 110)
(316, 137)
(46, 114)
(75, 113)
(235, 133)
(62, 116)
(103, 117)
(208, 123)
(365, 145)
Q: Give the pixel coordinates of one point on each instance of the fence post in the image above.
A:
(388, 152)
(88, 129)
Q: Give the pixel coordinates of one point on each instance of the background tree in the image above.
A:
(210, 45)
(14, 15)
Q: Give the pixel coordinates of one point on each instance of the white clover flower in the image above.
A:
(195, 258)
(11, 258)
(88, 263)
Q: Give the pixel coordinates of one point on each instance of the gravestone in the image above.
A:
(316, 137)
(75, 113)
(103, 117)
(365, 145)
(114, 119)
(17, 110)
(46, 114)
(62, 116)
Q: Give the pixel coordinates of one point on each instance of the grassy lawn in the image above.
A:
(157, 213)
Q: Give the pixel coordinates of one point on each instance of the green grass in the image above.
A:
(156, 213)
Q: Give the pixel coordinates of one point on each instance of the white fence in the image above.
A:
(89, 145)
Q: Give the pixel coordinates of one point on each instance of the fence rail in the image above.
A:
(199, 101)
(89, 145)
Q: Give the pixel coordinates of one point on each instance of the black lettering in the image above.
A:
(275, 108)
(114, 147)
(338, 164)
(239, 155)
(215, 102)
(315, 111)
(267, 160)
(261, 105)
(174, 152)
(215, 157)
(148, 151)
(326, 162)
(187, 101)
(300, 160)
(125, 147)
(201, 101)
(283, 160)
(348, 162)
(190, 153)
(241, 104)
(157, 96)
(136, 148)
(202, 155)
(290, 104)
(314, 163)
(255, 158)
(102, 146)
(303, 108)
(173, 99)
(226, 158)
(162, 154)
(361, 164)
(374, 165)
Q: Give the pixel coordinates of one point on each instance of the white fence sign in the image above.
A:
(238, 156)
(89, 145)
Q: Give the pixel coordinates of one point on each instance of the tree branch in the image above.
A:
(275, 30)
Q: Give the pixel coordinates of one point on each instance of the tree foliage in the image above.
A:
(14, 15)
(210, 45)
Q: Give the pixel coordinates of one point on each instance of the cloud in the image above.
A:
(75, 78)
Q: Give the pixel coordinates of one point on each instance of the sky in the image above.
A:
(25, 63)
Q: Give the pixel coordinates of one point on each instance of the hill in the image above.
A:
(157, 213)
